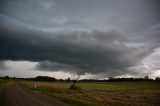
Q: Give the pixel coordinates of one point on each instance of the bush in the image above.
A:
(75, 87)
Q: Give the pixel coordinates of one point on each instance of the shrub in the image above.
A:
(74, 87)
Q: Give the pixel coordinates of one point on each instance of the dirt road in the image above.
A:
(18, 95)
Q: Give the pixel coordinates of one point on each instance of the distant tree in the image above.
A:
(6, 77)
(44, 78)
(146, 77)
(110, 78)
(60, 80)
(68, 80)
(157, 79)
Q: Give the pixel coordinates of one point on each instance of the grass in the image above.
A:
(73, 101)
(102, 94)
(44, 89)
(3, 84)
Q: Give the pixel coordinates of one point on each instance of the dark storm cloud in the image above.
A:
(79, 52)
(80, 37)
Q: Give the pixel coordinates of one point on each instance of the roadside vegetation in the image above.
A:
(101, 93)
(4, 82)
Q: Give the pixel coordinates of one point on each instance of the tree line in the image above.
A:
(110, 79)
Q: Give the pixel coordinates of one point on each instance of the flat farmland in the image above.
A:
(101, 94)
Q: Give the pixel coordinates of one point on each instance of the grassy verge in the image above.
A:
(58, 94)
(3, 84)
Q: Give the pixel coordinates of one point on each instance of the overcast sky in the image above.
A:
(90, 38)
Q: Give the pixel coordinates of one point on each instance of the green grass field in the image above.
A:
(102, 94)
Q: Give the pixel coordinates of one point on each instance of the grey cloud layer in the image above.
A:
(3, 66)
(88, 36)
(85, 14)
(79, 52)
